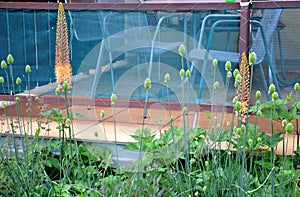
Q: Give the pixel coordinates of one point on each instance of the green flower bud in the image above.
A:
(235, 72)
(18, 81)
(229, 74)
(1, 80)
(184, 110)
(68, 121)
(250, 142)
(271, 89)
(113, 98)
(236, 84)
(188, 73)
(206, 163)
(28, 69)
(259, 140)
(181, 50)
(296, 86)
(228, 124)
(239, 131)
(289, 128)
(147, 83)
(259, 113)
(3, 65)
(37, 99)
(10, 59)
(182, 73)
(57, 91)
(4, 104)
(17, 99)
(284, 123)
(215, 62)
(275, 96)
(65, 85)
(167, 77)
(258, 94)
(228, 66)
(216, 85)
(252, 58)
(218, 127)
(257, 103)
(102, 113)
(171, 118)
(234, 100)
(238, 106)
(238, 77)
(204, 188)
(243, 127)
(239, 119)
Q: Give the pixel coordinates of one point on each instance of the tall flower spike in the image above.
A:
(63, 70)
(243, 88)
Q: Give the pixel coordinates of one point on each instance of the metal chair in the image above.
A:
(136, 37)
(120, 33)
(260, 44)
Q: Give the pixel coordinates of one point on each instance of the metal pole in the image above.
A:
(244, 27)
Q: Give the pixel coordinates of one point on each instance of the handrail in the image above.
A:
(151, 6)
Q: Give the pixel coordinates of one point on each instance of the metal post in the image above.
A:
(244, 27)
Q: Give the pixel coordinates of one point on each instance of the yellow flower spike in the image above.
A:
(243, 86)
(63, 70)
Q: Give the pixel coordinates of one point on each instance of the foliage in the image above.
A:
(240, 161)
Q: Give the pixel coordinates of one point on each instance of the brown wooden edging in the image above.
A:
(106, 102)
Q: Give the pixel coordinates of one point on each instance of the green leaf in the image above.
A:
(132, 146)
(52, 112)
(75, 115)
(209, 116)
(273, 140)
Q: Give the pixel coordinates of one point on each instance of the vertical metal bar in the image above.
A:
(8, 31)
(24, 35)
(244, 27)
(49, 43)
(36, 49)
